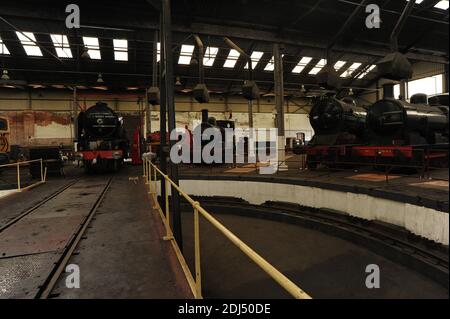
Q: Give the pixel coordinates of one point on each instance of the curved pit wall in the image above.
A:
(423, 221)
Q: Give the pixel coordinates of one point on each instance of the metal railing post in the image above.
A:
(155, 182)
(18, 176)
(198, 271)
(169, 235)
(42, 170)
(144, 168)
(150, 178)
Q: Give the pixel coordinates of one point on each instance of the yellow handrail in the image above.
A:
(18, 164)
(150, 175)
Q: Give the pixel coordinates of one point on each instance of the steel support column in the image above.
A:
(163, 120)
(167, 65)
(403, 90)
(279, 103)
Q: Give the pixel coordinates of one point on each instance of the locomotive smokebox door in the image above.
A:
(395, 66)
(328, 78)
(201, 93)
(250, 90)
(153, 95)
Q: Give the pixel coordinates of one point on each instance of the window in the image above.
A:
(319, 66)
(270, 66)
(3, 48)
(339, 64)
(370, 69)
(302, 64)
(28, 41)
(93, 48)
(62, 46)
(442, 5)
(430, 85)
(417, 1)
(210, 56)
(233, 57)
(120, 50)
(256, 56)
(350, 70)
(186, 54)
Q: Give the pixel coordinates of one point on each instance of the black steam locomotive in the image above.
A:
(390, 132)
(395, 122)
(210, 125)
(337, 122)
(101, 139)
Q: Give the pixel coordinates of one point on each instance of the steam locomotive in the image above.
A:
(389, 132)
(211, 124)
(101, 139)
(337, 122)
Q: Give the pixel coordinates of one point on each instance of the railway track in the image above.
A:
(426, 257)
(49, 283)
(36, 206)
(57, 258)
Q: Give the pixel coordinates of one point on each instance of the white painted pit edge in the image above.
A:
(422, 221)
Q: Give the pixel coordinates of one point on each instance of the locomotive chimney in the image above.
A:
(205, 115)
(388, 91)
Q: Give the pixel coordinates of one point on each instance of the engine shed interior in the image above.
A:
(241, 149)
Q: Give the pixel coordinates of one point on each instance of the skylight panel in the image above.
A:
(62, 46)
(3, 48)
(350, 70)
(158, 51)
(319, 66)
(339, 64)
(302, 64)
(210, 56)
(417, 1)
(256, 56)
(270, 66)
(370, 69)
(186, 54)
(443, 5)
(120, 50)
(93, 47)
(233, 57)
(28, 41)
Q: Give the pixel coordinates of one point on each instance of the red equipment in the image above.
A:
(136, 148)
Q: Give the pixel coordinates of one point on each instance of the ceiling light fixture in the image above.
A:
(100, 78)
(5, 75)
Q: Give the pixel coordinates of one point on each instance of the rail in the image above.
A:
(150, 173)
(19, 164)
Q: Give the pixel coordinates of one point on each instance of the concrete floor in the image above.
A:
(122, 254)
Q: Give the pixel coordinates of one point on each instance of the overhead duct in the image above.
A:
(250, 89)
(153, 93)
(388, 91)
(328, 78)
(200, 92)
(395, 66)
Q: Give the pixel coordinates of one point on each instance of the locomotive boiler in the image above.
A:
(102, 140)
(337, 122)
(396, 122)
